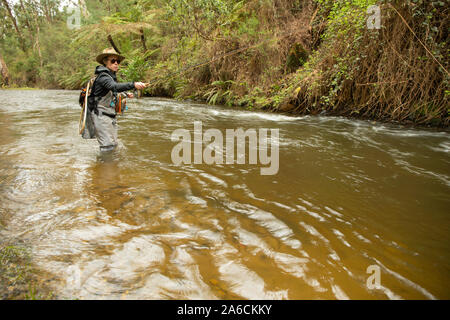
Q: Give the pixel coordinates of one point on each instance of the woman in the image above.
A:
(103, 96)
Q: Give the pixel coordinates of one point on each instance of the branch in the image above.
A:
(110, 39)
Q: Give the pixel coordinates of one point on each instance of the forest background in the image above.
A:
(380, 60)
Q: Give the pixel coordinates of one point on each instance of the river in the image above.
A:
(356, 210)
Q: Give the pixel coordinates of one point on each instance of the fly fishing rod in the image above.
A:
(206, 62)
(82, 122)
(197, 65)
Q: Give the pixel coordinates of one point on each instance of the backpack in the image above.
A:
(120, 101)
(85, 126)
(90, 84)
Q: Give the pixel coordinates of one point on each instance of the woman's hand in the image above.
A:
(139, 85)
(130, 95)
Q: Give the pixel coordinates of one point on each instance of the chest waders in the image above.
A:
(98, 115)
(103, 115)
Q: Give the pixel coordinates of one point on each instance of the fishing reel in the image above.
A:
(137, 93)
(120, 102)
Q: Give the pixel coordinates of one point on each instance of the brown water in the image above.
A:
(132, 225)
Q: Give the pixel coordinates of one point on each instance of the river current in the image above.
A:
(356, 210)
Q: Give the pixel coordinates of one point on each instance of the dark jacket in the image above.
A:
(107, 81)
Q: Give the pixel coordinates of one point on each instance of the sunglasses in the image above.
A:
(114, 61)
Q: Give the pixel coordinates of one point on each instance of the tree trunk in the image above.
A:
(4, 71)
(46, 11)
(27, 20)
(25, 13)
(37, 44)
(144, 46)
(14, 22)
(83, 8)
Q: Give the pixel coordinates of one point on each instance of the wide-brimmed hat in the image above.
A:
(108, 52)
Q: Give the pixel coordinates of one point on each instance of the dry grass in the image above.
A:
(262, 64)
(394, 78)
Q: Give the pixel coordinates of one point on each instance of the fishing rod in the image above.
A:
(83, 115)
(206, 62)
(197, 65)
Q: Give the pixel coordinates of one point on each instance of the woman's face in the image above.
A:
(113, 63)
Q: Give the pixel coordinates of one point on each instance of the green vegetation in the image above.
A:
(17, 277)
(297, 56)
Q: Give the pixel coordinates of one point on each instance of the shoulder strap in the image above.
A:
(91, 84)
(98, 76)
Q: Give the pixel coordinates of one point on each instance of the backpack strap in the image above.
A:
(98, 76)
(96, 99)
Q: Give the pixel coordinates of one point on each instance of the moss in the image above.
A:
(17, 277)
(18, 88)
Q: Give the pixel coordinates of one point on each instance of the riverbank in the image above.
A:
(406, 124)
(18, 279)
(25, 88)
(329, 62)
(382, 61)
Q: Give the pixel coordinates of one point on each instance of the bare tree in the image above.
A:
(46, 10)
(83, 8)
(14, 22)
(37, 44)
(27, 20)
(4, 71)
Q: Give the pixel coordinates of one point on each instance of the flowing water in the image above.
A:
(133, 225)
